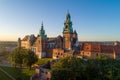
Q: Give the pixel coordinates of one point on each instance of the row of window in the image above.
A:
(33, 49)
(59, 53)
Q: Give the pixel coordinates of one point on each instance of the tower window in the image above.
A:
(39, 41)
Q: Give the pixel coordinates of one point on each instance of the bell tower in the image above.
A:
(41, 42)
(67, 32)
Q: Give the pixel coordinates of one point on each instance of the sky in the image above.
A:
(94, 20)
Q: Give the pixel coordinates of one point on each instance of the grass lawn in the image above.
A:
(43, 60)
(22, 74)
(4, 76)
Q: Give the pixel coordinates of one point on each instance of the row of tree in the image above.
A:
(72, 68)
(21, 56)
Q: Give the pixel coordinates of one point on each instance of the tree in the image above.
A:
(67, 68)
(22, 56)
(30, 58)
(17, 56)
(90, 69)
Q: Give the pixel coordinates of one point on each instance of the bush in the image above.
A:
(43, 60)
(59, 75)
(91, 69)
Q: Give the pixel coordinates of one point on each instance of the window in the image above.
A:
(97, 54)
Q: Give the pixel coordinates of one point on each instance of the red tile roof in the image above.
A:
(91, 47)
(101, 48)
(107, 49)
(117, 49)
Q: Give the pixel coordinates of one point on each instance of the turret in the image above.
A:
(67, 33)
(42, 32)
(68, 24)
(41, 42)
(75, 34)
(19, 42)
(116, 43)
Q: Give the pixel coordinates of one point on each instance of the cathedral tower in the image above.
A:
(41, 42)
(67, 32)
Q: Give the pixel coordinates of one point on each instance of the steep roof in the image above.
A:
(117, 49)
(25, 38)
(60, 38)
(32, 39)
(100, 48)
(51, 39)
(91, 47)
(107, 49)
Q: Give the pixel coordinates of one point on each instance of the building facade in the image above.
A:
(67, 44)
(97, 50)
(55, 47)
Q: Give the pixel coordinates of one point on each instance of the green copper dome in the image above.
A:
(42, 32)
(68, 17)
(68, 24)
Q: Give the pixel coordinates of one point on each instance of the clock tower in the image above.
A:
(67, 32)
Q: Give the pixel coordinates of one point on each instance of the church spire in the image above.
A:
(75, 32)
(68, 24)
(42, 32)
(42, 25)
(68, 16)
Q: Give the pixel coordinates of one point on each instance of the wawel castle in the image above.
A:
(56, 47)
(66, 45)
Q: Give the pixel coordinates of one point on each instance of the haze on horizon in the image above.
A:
(94, 20)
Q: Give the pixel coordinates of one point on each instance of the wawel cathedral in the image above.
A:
(57, 47)
(67, 44)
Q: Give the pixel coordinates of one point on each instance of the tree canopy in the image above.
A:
(30, 58)
(92, 69)
(22, 56)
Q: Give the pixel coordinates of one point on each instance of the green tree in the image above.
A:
(30, 58)
(90, 69)
(17, 56)
(22, 56)
(67, 68)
